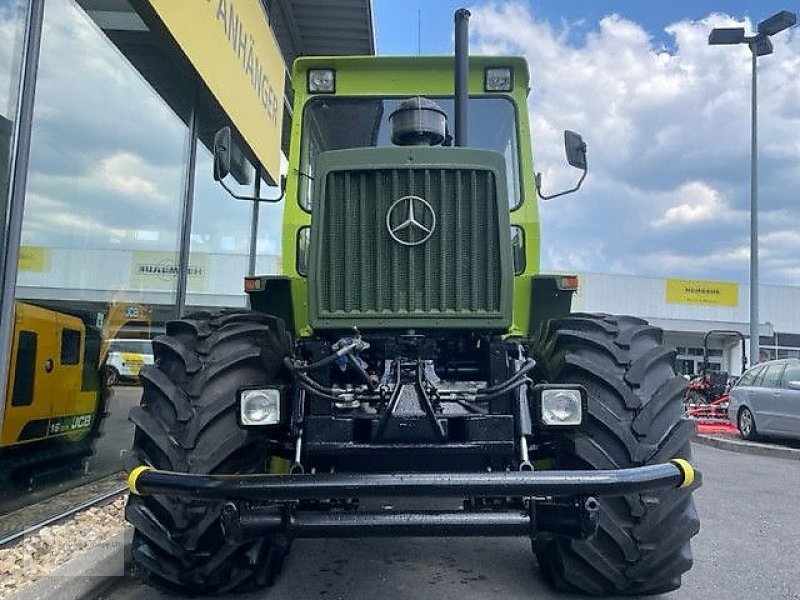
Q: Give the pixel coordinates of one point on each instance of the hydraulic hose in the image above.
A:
(309, 388)
(510, 385)
(327, 360)
(361, 372)
(311, 385)
(524, 370)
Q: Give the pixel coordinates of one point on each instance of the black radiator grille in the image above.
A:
(362, 270)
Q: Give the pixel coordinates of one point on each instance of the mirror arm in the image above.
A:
(564, 193)
(252, 198)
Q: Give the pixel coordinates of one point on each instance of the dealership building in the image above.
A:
(688, 309)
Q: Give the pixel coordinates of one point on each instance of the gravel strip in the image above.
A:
(39, 554)
(35, 511)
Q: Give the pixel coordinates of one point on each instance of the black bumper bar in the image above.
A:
(677, 473)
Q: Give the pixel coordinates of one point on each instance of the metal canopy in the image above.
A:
(302, 27)
(322, 27)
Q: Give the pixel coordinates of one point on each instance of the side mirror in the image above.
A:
(222, 153)
(222, 167)
(575, 148)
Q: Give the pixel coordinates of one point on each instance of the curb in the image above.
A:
(734, 444)
(87, 575)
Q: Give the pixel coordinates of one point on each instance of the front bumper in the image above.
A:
(675, 474)
(557, 502)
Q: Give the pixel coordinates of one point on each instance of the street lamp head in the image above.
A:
(726, 35)
(777, 23)
(762, 45)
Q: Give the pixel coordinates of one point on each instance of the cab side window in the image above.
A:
(518, 249)
(791, 374)
(760, 377)
(25, 370)
(749, 377)
(772, 376)
(70, 346)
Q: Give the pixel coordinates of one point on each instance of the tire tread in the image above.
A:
(187, 422)
(635, 418)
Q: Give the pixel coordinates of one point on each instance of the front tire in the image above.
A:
(187, 422)
(635, 418)
(111, 376)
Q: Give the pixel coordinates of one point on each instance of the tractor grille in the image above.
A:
(364, 273)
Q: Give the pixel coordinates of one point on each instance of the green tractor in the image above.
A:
(411, 351)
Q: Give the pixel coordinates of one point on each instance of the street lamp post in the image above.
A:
(760, 45)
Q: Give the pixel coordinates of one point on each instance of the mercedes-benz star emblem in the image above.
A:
(418, 225)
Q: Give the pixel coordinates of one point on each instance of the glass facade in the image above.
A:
(12, 26)
(106, 203)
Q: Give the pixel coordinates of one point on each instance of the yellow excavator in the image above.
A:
(55, 400)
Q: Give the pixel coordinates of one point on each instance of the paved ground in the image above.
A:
(748, 549)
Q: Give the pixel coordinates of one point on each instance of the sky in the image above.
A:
(667, 121)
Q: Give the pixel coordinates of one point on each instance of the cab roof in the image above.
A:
(391, 75)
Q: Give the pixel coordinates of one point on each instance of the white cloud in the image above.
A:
(700, 204)
(125, 173)
(669, 140)
(786, 239)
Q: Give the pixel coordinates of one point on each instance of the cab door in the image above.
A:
(790, 401)
(31, 386)
(68, 368)
(766, 400)
(73, 408)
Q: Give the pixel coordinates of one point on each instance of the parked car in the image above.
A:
(125, 359)
(766, 400)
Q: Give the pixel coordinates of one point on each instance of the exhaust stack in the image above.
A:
(462, 75)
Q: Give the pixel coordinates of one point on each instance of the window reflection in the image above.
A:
(12, 23)
(98, 263)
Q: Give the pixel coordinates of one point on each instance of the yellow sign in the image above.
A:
(34, 258)
(230, 44)
(159, 271)
(692, 291)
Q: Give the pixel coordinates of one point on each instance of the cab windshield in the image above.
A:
(338, 123)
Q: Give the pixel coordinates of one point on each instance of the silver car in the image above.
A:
(766, 400)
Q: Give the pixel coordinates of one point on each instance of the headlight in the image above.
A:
(260, 407)
(497, 79)
(560, 406)
(321, 81)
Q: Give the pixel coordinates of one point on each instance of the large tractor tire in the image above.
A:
(187, 422)
(636, 418)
